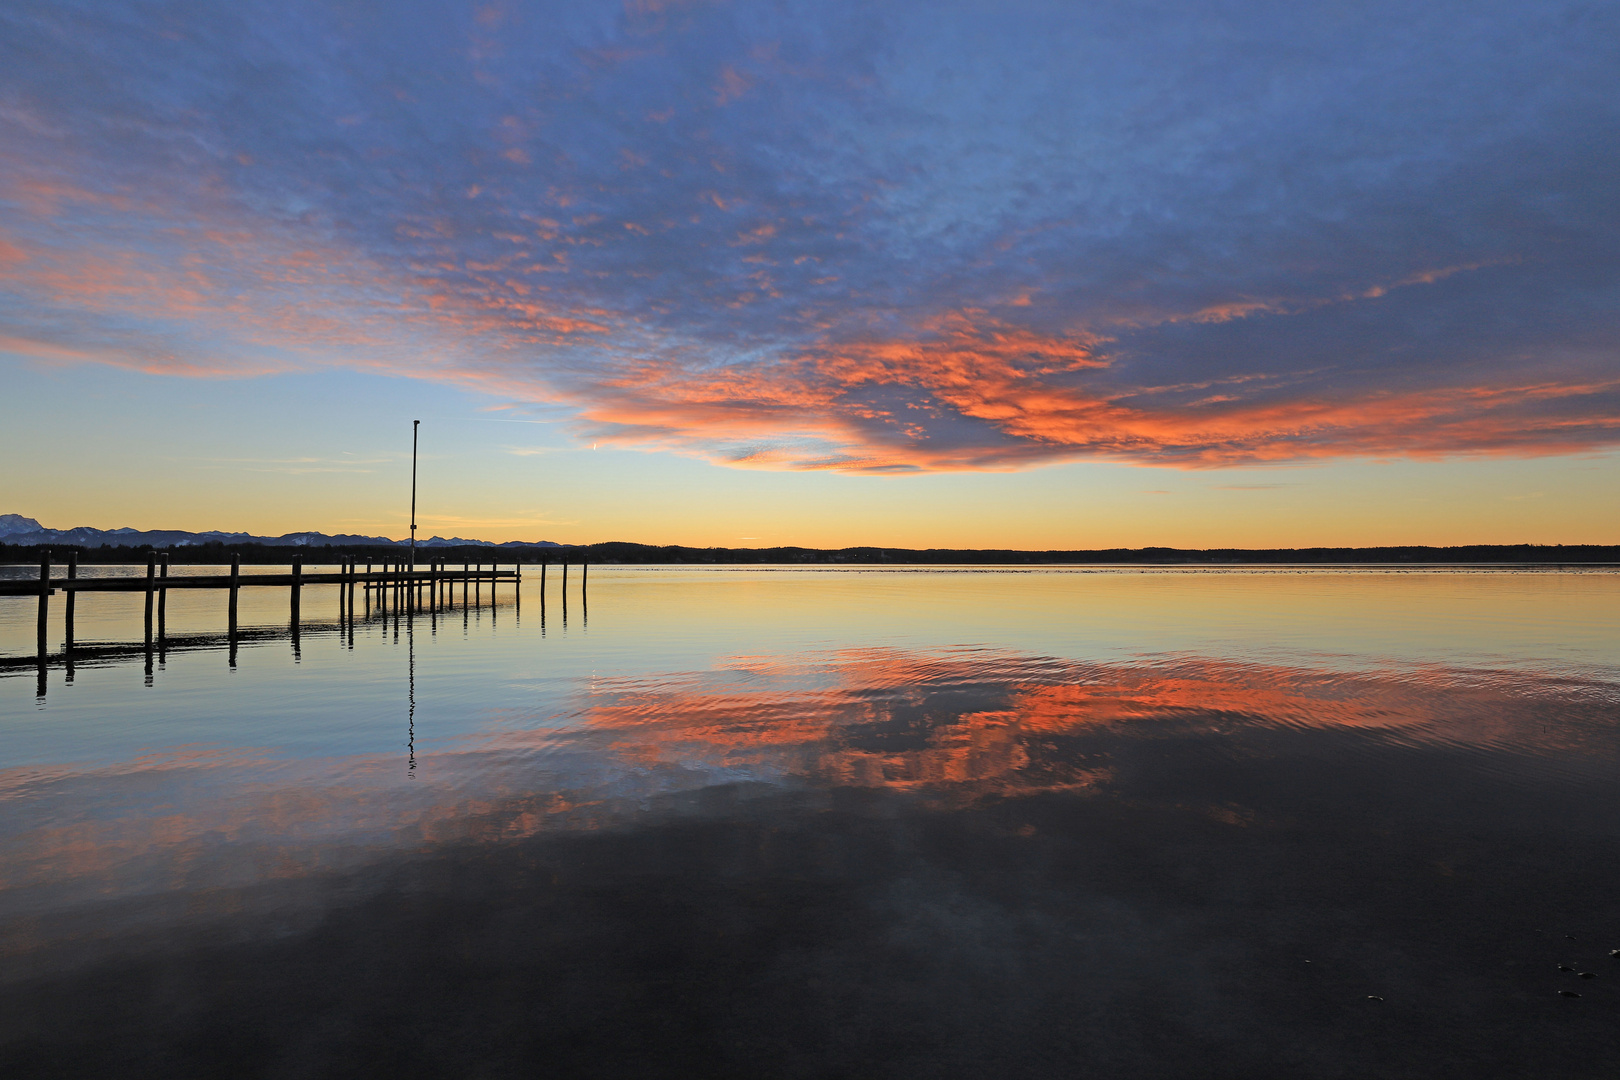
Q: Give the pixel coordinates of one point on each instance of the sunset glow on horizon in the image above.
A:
(1034, 276)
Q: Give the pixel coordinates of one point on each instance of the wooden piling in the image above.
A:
(67, 610)
(44, 611)
(163, 599)
(151, 595)
(297, 598)
(236, 579)
(297, 587)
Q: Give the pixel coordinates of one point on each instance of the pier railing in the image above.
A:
(381, 588)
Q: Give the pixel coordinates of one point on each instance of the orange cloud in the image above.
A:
(217, 293)
(891, 404)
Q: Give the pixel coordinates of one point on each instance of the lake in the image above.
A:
(887, 822)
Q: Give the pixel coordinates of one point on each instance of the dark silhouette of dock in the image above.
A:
(379, 589)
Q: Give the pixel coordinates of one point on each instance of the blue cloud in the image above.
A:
(826, 234)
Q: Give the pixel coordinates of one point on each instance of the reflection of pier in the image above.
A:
(378, 592)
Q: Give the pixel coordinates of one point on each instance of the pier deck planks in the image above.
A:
(31, 587)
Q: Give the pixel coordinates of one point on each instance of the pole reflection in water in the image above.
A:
(410, 714)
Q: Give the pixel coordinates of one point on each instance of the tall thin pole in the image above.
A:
(414, 425)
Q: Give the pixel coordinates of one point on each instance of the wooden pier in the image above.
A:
(391, 576)
(382, 588)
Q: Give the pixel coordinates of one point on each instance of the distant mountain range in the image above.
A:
(16, 529)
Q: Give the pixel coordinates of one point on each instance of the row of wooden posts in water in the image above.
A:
(385, 588)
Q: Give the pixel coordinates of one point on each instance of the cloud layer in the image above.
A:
(851, 236)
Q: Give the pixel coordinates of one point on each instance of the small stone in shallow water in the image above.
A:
(1571, 937)
(1587, 974)
(1568, 993)
(1374, 997)
(1566, 967)
(1615, 953)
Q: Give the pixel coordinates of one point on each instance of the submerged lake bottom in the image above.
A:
(745, 822)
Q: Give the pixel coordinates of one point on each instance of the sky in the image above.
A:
(1045, 275)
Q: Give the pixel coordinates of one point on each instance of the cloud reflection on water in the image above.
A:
(893, 718)
(953, 727)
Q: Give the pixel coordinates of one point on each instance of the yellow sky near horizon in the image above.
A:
(331, 452)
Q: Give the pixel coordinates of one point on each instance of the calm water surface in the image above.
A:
(771, 821)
